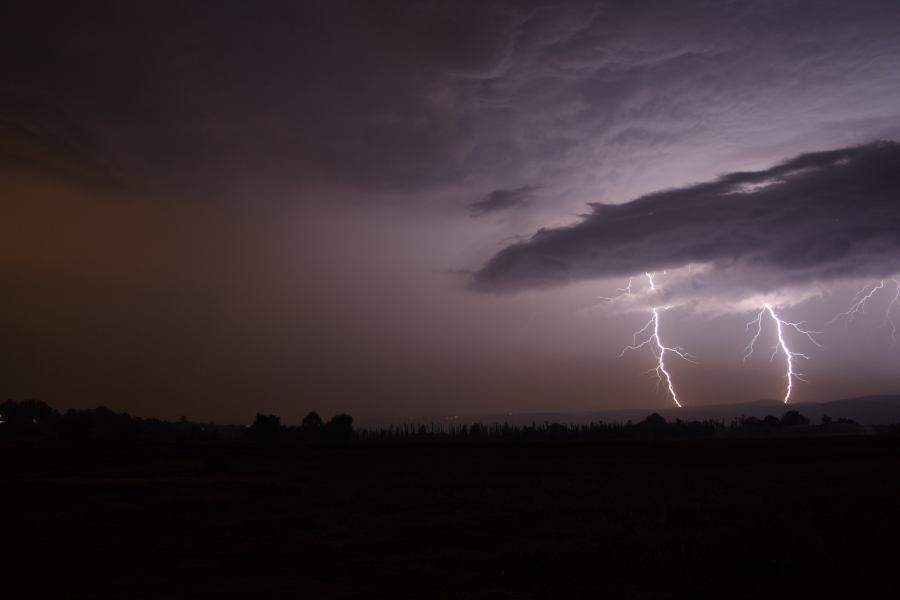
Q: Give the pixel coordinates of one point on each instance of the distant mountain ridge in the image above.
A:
(866, 410)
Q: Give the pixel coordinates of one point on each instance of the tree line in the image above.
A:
(36, 421)
(653, 427)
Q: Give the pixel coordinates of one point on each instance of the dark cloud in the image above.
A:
(502, 200)
(407, 95)
(818, 217)
(343, 91)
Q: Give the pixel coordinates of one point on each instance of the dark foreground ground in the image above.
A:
(763, 519)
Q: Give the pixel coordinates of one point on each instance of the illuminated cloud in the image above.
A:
(816, 218)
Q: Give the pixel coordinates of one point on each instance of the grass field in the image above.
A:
(737, 519)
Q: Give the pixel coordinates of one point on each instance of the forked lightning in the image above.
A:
(648, 335)
(780, 326)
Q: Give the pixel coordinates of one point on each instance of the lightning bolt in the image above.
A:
(780, 326)
(858, 303)
(648, 336)
(862, 297)
(627, 288)
(623, 291)
(888, 318)
(748, 350)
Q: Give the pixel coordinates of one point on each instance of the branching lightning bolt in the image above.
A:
(648, 335)
(623, 291)
(858, 303)
(780, 326)
(862, 297)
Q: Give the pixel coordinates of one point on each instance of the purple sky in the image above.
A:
(214, 209)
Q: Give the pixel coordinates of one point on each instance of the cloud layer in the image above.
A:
(580, 98)
(817, 218)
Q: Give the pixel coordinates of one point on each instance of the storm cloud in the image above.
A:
(409, 95)
(231, 201)
(819, 217)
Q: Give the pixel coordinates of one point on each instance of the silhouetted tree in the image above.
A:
(312, 422)
(98, 426)
(340, 427)
(265, 429)
(752, 423)
(792, 418)
(771, 422)
(311, 428)
(26, 420)
(654, 426)
(654, 420)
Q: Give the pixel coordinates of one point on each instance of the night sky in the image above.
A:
(401, 209)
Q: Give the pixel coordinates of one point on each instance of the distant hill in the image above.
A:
(866, 410)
